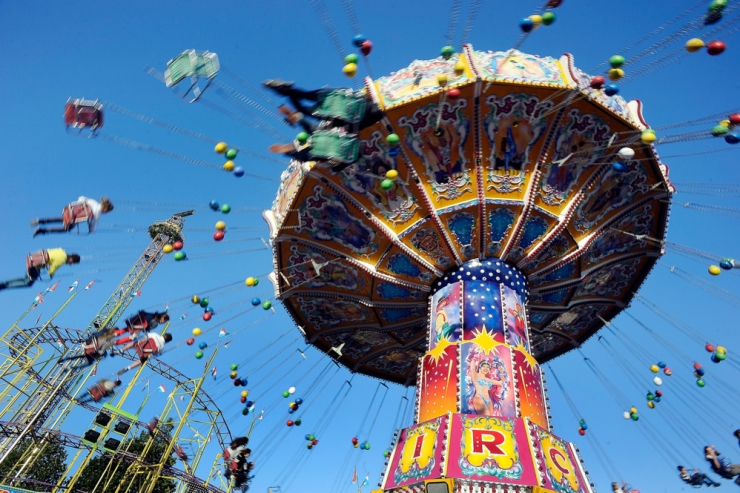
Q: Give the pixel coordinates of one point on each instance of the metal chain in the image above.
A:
(474, 8)
(656, 31)
(325, 18)
(349, 8)
(248, 85)
(454, 16)
(154, 150)
(190, 133)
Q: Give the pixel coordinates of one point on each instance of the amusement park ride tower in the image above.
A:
(512, 233)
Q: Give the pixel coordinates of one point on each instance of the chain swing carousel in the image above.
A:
(497, 217)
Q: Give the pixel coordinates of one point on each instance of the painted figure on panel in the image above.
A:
(486, 382)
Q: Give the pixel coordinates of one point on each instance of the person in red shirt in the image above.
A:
(141, 322)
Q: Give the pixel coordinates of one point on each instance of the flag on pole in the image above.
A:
(39, 298)
(90, 284)
(51, 289)
(181, 398)
(136, 293)
(146, 386)
(73, 286)
(60, 343)
(183, 316)
(367, 480)
(354, 476)
(262, 413)
(162, 389)
(222, 332)
(213, 373)
(226, 344)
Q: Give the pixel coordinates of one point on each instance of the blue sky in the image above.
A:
(56, 50)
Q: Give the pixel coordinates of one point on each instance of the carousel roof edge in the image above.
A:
(272, 277)
(271, 220)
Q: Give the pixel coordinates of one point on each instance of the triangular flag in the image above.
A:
(90, 284)
(73, 285)
(181, 398)
(354, 476)
(367, 480)
(136, 293)
(167, 307)
(51, 289)
(39, 298)
(162, 389)
(39, 318)
(146, 386)
(213, 373)
(60, 343)
(183, 316)
(95, 370)
(226, 344)
(222, 332)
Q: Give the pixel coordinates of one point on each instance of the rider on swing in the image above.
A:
(84, 210)
(50, 259)
(339, 113)
(695, 479)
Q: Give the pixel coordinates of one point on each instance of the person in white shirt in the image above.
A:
(151, 346)
(84, 210)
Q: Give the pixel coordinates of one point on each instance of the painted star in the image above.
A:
(528, 357)
(484, 340)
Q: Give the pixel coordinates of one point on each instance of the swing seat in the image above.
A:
(97, 392)
(145, 348)
(76, 213)
(343, 104)
(81, 114)
(36, 260)
(193, 64)
(334, 146)
(98, 344)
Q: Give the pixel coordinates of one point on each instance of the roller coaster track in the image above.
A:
(202, 400)
(10, 429)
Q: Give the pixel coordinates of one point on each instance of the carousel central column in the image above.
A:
(479, 359)
(481, 414)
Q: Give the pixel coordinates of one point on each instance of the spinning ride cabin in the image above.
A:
(499, 215)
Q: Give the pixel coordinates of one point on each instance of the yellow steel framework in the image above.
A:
(37, 393)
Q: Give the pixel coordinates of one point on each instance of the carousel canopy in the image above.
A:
(500, 155)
